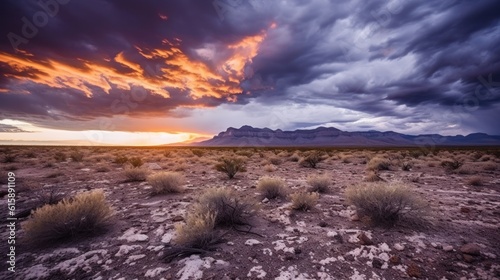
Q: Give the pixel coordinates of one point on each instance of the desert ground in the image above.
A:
(455, 235)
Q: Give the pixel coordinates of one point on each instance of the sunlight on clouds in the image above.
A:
(166, 68)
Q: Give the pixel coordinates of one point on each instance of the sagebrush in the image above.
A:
(85, 213)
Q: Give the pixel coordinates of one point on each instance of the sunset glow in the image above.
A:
(195, 68)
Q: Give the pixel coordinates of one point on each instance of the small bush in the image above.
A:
(60, 156)
(76, 156)
(372, 176)
(55, 174)
(166, 182)
(197, 231)
(383, 203)
(30, 155)
(406, 166)
(50, 196)
(275, 160)
(136, 162)
(230, 166)
(198, 153)
(269, 168)
(311, 160)
(135, 174)
(229, 210)
(102, 169)
(490, 166)
(295, 157)
(9, 158)
(85, 213)
(121, 160)
(450, 165)
(319, 184)
(378, 164)
(475, 181)
(303, 201)
(272, 188)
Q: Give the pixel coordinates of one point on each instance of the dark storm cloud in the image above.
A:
(10, 128)
(385, 59)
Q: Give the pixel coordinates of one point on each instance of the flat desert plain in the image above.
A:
(157, 229)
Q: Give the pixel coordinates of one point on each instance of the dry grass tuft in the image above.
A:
(135, 174)
(372, 176)
(197, 231)
(269, 168)
(86, 213)
(303, 201)
(166, 182)
(311, 159)
(378, 164)
(271, 188)
(450, 165)
(385, 203)
(136, 162)
(76, 156)
(319, 183)
(230, 166)
(229, 210)
(475, 181)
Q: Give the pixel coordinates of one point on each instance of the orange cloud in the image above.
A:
(176, 70)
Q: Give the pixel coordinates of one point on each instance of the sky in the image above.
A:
(124, 72)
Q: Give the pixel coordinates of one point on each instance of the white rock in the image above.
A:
(399, 247)
(447, 248)
(251, 242)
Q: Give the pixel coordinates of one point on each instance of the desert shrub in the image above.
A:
(275, 160)
(406, 166)
(373, 176)
(269, 168)
(485, 158)
(271, 188)
(120, 159)
(304, 201)
(52, 195)
(453, 164)
(228, 209)
(384, 203)
(102, 168)
(346, 159)
(295, 157)
(60, 156)
(311, 160)
(76, 156)
(416, 153)
(475, 181)
(197, 231)
(247, 154)
(54, 174)
(230, 166)
(9, 158)
(319, 183)
(30, 154)
(83, 214)
(135, 174)
(167, 154)
(490, 166)
(378, 164)
(166, 182)
(198, 153)
(11, 167)
(136, 162)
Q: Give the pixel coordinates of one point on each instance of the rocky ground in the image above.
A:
(460, 241)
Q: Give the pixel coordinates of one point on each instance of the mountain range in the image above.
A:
(333, 137)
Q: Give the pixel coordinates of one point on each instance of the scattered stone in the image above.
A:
(394, 259)
(414, 270)
(354, 218)
(471, 249)
(364, 240)
(265, 200)
(177, 219)
(377, 263)
(252, 242)
(464, 209)
(399, 247)
(468, 258)
(447, 248)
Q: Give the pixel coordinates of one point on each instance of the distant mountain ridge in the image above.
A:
(333, 137)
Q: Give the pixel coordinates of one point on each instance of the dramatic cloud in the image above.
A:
(409, 66)
(10, 128)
